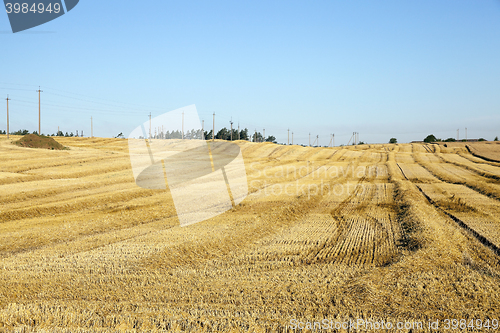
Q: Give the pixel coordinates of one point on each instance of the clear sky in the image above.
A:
(384, 69)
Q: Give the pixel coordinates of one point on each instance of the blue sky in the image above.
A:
(384, 69)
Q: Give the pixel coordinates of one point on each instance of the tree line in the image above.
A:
(26, 132)
(222, 134)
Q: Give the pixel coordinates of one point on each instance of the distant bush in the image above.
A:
(496, 137)
(450, 140)
(271, 138)
(481, 139)
(20, 132)
(393, 140)
(430, 138)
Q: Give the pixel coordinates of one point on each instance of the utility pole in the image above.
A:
(213, 130)
(238, 130)
(288, 143)
(292, 138)
(203, 129)
(309, 139)
(231, 129)
(8, 99)
(458, 136)
(264, 138)
(333, 138)
(150, 127)
(91, 128)
(39, 113)
(317, 138)
(182, 125)
(466, 134)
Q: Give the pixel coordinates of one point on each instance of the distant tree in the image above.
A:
(257, 137)
(271, 138)
(450, 140)
(496, 137)
(235, 134)
(20, 132)
(208, 135)
(393, 140)
(223, 134)
(2, 132)
(481, 139)
(60, 133)
(430, 138)
(35, 132)
(66, 135)
(359, 143)
(244, 134)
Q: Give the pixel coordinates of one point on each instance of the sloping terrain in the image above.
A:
(399, 233)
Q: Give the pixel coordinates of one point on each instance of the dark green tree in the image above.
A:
(257, 137)
(208, 135)
(430, 138)
(393, 140)
(244, 134)
(271, 138)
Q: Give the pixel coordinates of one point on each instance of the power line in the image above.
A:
(8, 99)
(231, 122)
(213, 130)
(39, 112)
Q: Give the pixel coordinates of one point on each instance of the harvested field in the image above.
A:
(366, 232)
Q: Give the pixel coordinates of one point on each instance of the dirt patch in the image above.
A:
(39, 141)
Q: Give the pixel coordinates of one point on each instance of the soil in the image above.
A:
(39, 141)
